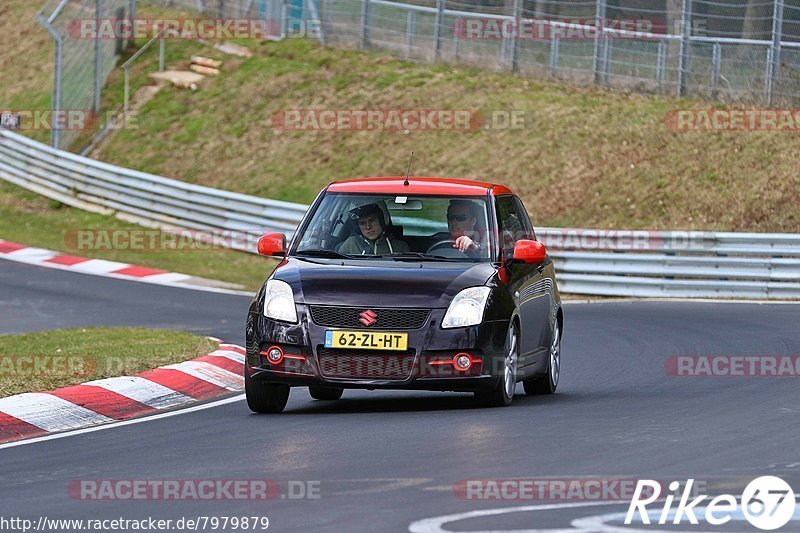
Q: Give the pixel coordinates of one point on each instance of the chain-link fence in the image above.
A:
(730, 50)
(84, 62)
(81, 66)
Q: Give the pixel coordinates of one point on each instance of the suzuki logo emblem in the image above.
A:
(368, 317)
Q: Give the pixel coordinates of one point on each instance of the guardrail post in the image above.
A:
(554, 42)
(364, 23)
(58, 42)
(411, 23)
(284, 19)
(515, 37)
(683, 59)
(437, 29)
(132, 20)
(314, 17)
(775, 49)
(162, 53)
(607, 44)
(661, 62)
(716, 58)
(58, 91)
(456, 40)
(98, 60)
(127, 90)
(600, 24)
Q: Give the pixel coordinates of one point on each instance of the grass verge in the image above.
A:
(52, 359)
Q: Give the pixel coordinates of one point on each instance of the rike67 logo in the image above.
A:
(767, 503)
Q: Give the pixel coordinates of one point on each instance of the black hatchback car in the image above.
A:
(406, 283)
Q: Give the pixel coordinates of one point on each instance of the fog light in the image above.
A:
(462, 361)
(274, 354)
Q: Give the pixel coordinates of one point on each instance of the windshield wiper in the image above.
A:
(325, 253)
(419, 255)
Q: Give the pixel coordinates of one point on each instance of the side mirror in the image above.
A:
(526, 251)
(272, 244)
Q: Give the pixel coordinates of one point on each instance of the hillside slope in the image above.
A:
(585, 157)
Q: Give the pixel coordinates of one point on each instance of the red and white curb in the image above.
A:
(100, 267)
(102, 401)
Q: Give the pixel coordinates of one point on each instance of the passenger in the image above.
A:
(373, 238)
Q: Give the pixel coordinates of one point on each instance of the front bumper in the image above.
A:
(426, 366)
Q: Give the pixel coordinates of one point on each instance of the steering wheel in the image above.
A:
(446, 249)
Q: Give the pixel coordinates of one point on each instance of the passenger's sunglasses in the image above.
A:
(458, 218)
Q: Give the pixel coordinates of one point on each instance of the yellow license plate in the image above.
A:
(366, 340)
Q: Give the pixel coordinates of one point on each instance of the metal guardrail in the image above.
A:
(619, 263)
(139, 197)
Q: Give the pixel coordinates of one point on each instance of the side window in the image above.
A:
(525, 219)
(511, 225)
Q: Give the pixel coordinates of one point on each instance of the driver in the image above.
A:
(373, 238)
(462, 217)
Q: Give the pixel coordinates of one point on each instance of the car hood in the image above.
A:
(364, 282)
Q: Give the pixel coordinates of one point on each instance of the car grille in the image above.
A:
(354, 364)
(349, 317)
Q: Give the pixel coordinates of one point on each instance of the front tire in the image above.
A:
(265, 397)
(503, 392)
(548, 383)
(325, 393)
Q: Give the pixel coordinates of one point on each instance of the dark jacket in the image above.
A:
(360, 245)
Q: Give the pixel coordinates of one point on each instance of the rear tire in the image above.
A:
(325, 393)
(265, 397)
(503, 392)
(548, 383)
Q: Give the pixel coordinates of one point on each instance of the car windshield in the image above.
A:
(398, 228)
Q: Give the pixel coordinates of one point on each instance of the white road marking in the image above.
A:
(98, 266)
(49, 412)
(613, 300)
(32, 254)
(211, 373)
(587, 524)
(230, 354)
(434, 524)
(143, 391)
(150, 418)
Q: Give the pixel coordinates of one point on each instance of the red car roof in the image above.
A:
(418, 185)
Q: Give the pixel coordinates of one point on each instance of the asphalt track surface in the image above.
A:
(386, 459)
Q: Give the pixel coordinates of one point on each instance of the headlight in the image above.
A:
(467, 308)
(279, 301)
